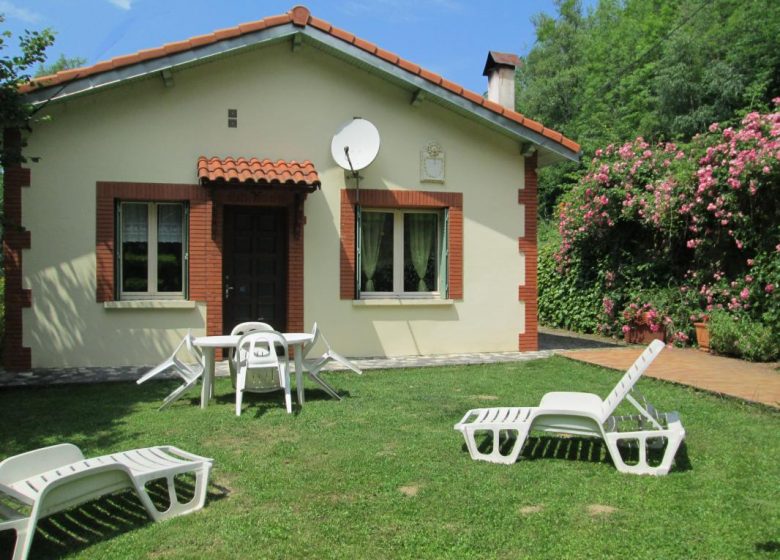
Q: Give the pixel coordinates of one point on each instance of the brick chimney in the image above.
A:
(500, 71)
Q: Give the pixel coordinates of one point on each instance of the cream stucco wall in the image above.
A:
(289, 105)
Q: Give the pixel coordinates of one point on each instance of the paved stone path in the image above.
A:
(105, 374)
(745, 380)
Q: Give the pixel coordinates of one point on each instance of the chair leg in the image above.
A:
(285, 383)
(673, 441)
(25, 532)
(240, 383)
(176, 507)
(495, 455)
(152, 372)
(314, 376)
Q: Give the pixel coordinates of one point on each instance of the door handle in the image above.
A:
(228, 289)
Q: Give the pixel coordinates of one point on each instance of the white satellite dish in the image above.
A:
(355, 145)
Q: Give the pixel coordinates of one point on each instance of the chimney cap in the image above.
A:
(496, 58)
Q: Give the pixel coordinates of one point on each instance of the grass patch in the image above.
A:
(382, 474)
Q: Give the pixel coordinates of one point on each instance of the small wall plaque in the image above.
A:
(432, 163)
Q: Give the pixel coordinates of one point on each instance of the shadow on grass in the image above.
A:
(768, 546)
(262, 403)
(585, 449)
(78, 528)
(34, 417)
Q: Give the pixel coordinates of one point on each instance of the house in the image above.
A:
(192, 186)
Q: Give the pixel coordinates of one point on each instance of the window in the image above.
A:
(152, 250)
(402, 253)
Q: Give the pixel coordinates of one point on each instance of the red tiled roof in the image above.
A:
(255, 171)
(301, 17)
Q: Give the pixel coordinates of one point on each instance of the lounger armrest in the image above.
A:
(181, 454)
(14, 494)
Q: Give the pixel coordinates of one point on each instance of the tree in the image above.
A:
(62, 63)
(15, 112)
(660, 69)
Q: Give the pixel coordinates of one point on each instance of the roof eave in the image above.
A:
(550, 151)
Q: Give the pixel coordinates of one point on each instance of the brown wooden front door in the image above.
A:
(254, 266)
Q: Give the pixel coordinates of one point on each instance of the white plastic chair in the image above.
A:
(189, 372)
(57, 478)
(257, 358)
(583, 414)
(313, 366)
(240, 330)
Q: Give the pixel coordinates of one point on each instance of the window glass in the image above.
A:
(420, 255)
(135, 247)
(170, 241)
(376, 258)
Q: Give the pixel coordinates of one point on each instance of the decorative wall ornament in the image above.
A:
(432, 163)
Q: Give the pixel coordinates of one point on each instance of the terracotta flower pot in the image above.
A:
(643, 335)
(702, 336)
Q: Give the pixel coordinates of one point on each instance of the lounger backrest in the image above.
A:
(627, 382)
(38, 461)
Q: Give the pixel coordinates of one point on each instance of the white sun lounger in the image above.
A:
(57, 478)
(583, 414)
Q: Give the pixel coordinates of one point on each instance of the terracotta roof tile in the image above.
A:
(517, 117)
(301, 16)
(430, 76)
(452, 86)
(390, 57)
(533, 125)
(365, 45)
(221, 34)
(409, 66)
(341, 34)
(493, 106)
(259, 172)
(320, 24)
(473, 97)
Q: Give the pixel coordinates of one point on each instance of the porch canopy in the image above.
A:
(289, 175)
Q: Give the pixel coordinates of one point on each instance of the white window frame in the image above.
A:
(151, 279)
(398, 254)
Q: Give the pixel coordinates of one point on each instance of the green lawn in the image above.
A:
(382, 474)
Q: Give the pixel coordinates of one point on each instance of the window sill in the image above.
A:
(150, 304)
(400, 302)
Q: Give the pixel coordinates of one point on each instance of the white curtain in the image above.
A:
(169, 223)
(135, 223)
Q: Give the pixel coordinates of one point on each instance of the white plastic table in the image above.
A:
(209, 343)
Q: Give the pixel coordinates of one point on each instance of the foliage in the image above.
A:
(62, 63)
(738, 335)
(567, 301)
(2, 315)
(677, 230)
(338, 479)
(15, 71)
(662, 70)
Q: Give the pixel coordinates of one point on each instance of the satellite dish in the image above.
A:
(355, 145)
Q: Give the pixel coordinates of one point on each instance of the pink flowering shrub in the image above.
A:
(681, 230)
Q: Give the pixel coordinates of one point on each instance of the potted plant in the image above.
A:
(702, 333)
(642, 324)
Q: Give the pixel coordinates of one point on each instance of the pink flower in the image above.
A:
(769, 288)
(714, 127)
(748, 278)
(745, 293)
(626, 329)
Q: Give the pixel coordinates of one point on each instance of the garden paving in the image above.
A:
(749, 381)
